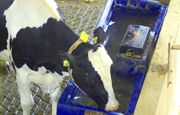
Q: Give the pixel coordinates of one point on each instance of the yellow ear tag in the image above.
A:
(84, 37)
(95, 40)
(66, 63)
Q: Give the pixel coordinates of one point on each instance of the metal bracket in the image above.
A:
(170, 48)
(128, 3)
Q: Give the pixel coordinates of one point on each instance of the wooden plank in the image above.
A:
(152, 100)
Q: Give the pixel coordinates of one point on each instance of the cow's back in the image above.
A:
(20, 14)
(4, 5)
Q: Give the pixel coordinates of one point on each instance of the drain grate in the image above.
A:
(79, 18)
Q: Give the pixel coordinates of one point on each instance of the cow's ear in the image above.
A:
(66, 59)
(100, 35)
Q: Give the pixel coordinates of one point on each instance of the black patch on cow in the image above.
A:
(89, 81)
(38, 47)
(10, 43)
(96, 48)
(50, 65)
(4, 5)
(99, 32)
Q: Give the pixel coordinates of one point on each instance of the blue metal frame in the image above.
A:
(160, 21)
(154, 6)
(106, 15)
(66, 107)
(64, 104)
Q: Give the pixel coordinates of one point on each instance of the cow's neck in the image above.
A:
(68, 38)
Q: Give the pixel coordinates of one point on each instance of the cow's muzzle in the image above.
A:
(112, 108)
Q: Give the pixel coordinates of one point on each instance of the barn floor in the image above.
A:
(80, 16)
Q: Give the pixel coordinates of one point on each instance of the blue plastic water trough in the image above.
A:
(133, 28)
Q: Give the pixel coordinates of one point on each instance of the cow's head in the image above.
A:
(92, 70)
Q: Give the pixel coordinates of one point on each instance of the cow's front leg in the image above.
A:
(55, 97)
(26, 98)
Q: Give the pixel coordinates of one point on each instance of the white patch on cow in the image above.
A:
(52, 3)
(102, 62)
(29, 13)
(47, 81)
(4, 55)
(24, 89)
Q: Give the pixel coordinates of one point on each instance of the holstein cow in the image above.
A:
(34, 39)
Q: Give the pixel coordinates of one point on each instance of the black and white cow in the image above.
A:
(34, 39)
